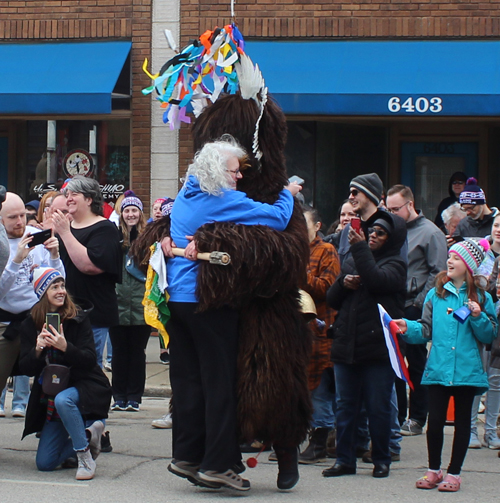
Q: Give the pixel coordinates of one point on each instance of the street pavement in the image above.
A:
(136, 470)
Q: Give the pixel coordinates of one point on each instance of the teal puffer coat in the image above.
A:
(454, 358)
(130, 294)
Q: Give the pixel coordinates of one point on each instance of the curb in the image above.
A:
(158, 391)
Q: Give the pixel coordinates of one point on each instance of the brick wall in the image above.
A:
(340, 19)
(71, 20)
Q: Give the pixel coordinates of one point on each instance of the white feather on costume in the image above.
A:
(249, 77)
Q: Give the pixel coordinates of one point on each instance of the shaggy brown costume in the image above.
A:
(262, 282)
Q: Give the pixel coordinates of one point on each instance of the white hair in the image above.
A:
(209, 166)
(453, 210)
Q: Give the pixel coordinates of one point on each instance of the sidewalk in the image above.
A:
(157, 374)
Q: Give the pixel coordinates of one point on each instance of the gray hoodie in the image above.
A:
(4, 248)
(427, 254)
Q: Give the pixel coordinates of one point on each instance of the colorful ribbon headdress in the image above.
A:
(215, 63)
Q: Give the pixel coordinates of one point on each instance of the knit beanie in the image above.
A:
(471, 252)
(472, 193)
(43, 277)
(371, 186)
(166, 206)
(131, 199)
(159, 200)
(385, 224)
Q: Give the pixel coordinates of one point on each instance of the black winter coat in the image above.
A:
(357, 332)
(85, 374)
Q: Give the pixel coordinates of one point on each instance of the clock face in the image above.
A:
(78, 162)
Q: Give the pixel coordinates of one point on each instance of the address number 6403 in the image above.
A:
(421, 105)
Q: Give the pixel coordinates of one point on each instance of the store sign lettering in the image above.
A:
(108, 190)
(411, 106)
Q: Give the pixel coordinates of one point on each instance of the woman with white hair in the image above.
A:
(203, 345)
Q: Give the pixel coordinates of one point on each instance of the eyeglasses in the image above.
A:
(234, 171)
(354, 192)
(379, 232)
(396, 210)
(467, 207)
(457, 182)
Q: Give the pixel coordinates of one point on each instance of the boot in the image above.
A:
(94, 435)
(316, 450)
(86, 465)
(331, 444)
(288, 466)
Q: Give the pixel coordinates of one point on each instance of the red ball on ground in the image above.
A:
(252, 462)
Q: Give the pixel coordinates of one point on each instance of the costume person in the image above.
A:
(267, 265)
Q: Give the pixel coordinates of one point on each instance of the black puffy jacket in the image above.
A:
(357, 332)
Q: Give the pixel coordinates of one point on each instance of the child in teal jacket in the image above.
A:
(454, 366)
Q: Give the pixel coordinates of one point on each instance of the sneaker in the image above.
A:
(106, 443)
(165, 422)
(133, 406)
(18, 413)
(94, 432)
(228, 479)
(430, 480)
(165, 358)
(491, 440)
(450, 484)
(2, 412)
(189, 471)
(272, 456)
(474, 442)
(119, 405)
(107, 366)
(86, 465)
(411, 428)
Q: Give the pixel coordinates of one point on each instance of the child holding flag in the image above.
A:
(457, 316)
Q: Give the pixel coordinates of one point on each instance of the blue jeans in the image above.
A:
(59, 439)
(21, 393)
(109, 350)
(492, 398)
(370, 383)
(323, 401)
(100, 335)
(396, 437)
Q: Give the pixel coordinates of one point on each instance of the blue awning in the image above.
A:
(60, 78)
(410, 78)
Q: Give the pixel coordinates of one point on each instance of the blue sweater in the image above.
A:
(194, 208)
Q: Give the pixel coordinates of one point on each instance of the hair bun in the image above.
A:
(471, 181)
(129, 193)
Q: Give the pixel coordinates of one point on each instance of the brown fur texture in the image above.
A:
(262, 281)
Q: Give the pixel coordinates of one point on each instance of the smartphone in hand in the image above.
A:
(40, 237)
(356, 224)
(52, 319)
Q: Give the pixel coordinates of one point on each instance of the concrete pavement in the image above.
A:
(136, 470)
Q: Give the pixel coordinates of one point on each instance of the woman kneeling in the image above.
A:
(62, 418)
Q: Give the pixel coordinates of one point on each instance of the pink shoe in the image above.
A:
(450, 484)
(430, 480)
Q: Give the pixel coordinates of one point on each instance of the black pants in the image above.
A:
(416, 356)
(129, 361)
(439, 397)
(203, 358)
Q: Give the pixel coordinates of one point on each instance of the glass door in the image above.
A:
(426, 167)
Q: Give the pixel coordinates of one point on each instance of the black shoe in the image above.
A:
(288, 466)
(381, 471)
(106, 442)
(339, 469)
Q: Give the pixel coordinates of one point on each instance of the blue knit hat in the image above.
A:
(472, 193)
(43, 277)
(131, 199)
